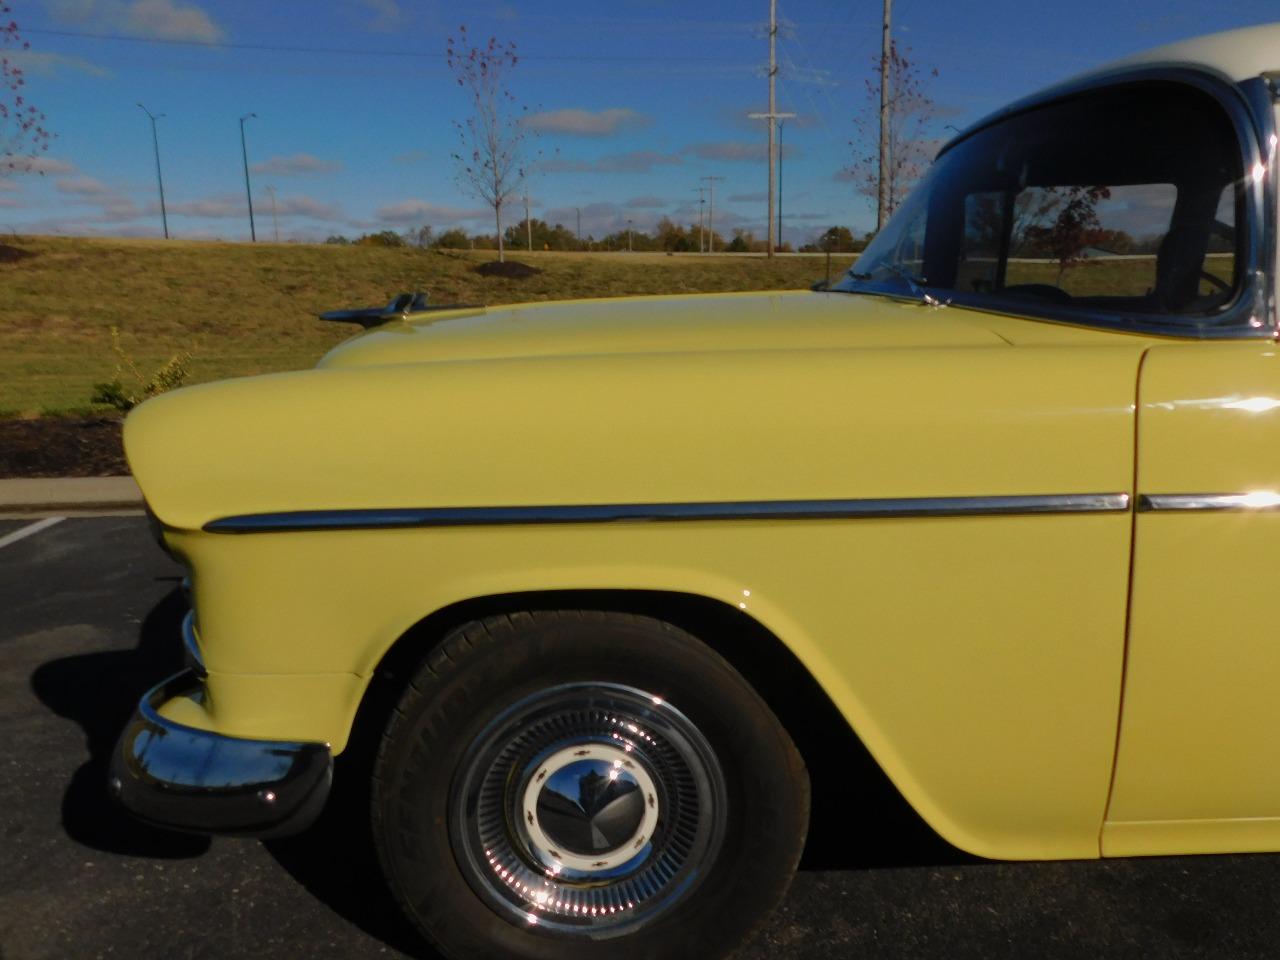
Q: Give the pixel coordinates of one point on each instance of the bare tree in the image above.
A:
(491, 159)
(22, 131)
(910, 111)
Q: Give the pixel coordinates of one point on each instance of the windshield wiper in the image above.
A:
(913, 283)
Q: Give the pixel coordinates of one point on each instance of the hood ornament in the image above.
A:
(404, 306)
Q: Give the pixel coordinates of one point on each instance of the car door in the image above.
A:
(1198, 766)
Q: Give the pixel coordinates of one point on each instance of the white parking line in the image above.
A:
(28, 530)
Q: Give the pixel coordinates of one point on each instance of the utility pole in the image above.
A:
(711, 213)
(780, 184)
(275, 224)
(628, 236)
(528, 224)
(244, 154)
(882, 200)
(155, 140)
(702, 212)
(773, 115)
(578, 211)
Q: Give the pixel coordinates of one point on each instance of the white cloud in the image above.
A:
(386, 13)
(42, 165)
(420, 211)
(301, 206)
(299, 163)
(599, 219)
(41, 64)
(735, 150)
(162, 19)
(227, 205)
(638, 161)
(586, 123)
(82, 187)
(231, 206)
(171, 20)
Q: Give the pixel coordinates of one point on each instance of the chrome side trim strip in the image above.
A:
(1160, 502)
(639, 512)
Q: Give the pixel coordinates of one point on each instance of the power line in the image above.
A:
(356, 51)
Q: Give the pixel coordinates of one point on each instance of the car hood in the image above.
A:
(789, 320)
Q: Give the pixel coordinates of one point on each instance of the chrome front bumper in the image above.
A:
(188, 779)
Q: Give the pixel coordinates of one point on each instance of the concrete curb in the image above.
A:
(69, 496)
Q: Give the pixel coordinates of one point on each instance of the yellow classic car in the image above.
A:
(577, 579)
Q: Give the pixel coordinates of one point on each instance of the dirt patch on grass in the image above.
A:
(56, 447)
(511, 269)
(12, 254)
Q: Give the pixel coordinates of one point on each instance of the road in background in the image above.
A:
(89, 616)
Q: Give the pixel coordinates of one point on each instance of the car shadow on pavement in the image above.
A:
(334, 859)
(99, 691)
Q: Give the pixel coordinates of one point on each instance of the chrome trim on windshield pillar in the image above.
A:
(1163, 502)
(889, 508)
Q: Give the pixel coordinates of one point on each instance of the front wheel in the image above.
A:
(579, 784)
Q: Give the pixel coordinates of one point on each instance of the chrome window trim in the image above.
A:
(882, 508)
(1170, 502)
(1252, 314)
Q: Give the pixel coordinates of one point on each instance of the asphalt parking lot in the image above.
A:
(89, 615)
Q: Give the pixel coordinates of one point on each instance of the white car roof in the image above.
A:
(1239, 54)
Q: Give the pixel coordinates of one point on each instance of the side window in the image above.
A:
(982, 243)
(1125, 201)
(1095, 241)
(1220, 258)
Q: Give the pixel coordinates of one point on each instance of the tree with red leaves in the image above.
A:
(23, 135)
(1075, 227)
(490, 161)
(911, 110)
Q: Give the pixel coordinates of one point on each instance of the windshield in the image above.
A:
(1126, 202)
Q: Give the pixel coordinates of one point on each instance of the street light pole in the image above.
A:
(155, 140)
(244, 154)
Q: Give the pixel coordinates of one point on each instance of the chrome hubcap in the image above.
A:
(590, 807)
(587, 809)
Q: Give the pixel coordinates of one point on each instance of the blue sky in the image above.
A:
(635, 101)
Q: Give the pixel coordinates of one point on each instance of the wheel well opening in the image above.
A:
(858, 817)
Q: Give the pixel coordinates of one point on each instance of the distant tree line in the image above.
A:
(666, 237)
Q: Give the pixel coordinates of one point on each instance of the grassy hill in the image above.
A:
(242, 309)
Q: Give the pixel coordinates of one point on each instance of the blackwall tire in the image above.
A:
(582, 784)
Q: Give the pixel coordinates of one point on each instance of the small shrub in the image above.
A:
(170, 375)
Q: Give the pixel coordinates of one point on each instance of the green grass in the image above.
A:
(242, 309)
